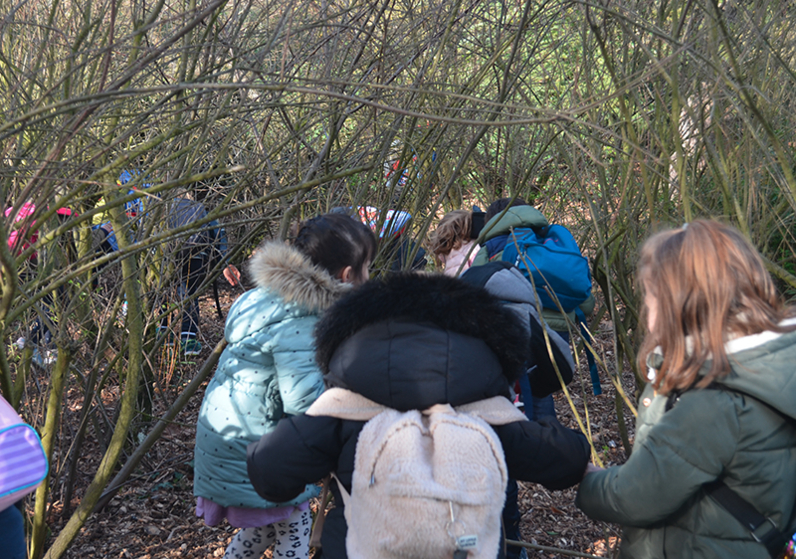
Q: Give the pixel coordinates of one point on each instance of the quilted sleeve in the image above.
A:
(687, 448)
(308, 447)
(544, 452)
(300, 379)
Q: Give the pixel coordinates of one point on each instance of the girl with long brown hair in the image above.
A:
(718, 412)
(452, 244)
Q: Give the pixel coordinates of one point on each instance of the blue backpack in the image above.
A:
(550, 258)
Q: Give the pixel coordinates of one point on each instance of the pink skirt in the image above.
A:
(242, 517)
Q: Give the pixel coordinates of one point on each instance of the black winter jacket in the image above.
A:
(409, 342)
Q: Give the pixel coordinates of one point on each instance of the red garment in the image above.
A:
(22, 223)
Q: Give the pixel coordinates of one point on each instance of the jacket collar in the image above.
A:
(284, 270)
(755, 340)
(761, 365)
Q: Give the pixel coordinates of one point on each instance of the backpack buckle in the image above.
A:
(764, 538)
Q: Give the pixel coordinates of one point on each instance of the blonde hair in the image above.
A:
(710, 285)
(451, 233)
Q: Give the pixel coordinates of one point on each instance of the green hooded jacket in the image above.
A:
(525, 216)
(709, 434)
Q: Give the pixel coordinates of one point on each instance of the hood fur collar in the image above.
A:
(289, 273)
(444, 302)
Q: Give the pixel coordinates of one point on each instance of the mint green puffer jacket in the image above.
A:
(709, 434)
(267, 371)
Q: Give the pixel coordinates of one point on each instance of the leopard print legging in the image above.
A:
(291, 538)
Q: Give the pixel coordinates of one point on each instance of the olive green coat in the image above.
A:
(708, 434)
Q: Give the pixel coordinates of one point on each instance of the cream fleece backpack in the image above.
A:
(426, 485)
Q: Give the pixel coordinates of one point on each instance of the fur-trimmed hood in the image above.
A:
(412, 340)
(289, 273)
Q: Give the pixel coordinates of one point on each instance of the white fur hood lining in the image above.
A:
(286, 271)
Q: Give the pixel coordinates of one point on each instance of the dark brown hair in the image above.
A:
(710, 286)
(499, 205)
(334, 241)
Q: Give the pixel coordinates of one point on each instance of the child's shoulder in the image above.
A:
(256, 309)
(261, 306)
(496, 244)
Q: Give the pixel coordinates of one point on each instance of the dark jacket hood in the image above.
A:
(412, 340)
(514, 217)
(761, 365)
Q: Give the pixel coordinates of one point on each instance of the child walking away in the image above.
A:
(401, 252)
(421, 362)
(543, 365)
(452, 243)
(267, 372)
(193, 256)
(505, 219)
(23, 232)
(713, 468)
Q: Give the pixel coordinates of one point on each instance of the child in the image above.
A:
(397, 247)
(267, 372)
(451, 243)
(23, 233)
(718, 412)
(507, 283)
(500, 222)
(502, 217)
(402, 253)
(410, 342)
(193, 257)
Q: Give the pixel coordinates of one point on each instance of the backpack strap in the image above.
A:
(343, 493)
(762, 529)
(345, 404)
(495, 411)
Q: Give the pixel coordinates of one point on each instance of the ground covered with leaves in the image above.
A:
(152, 515)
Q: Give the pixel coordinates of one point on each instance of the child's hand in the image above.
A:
(232, 275)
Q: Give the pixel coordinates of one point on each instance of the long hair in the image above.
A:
(451, 233)
(710, 286)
